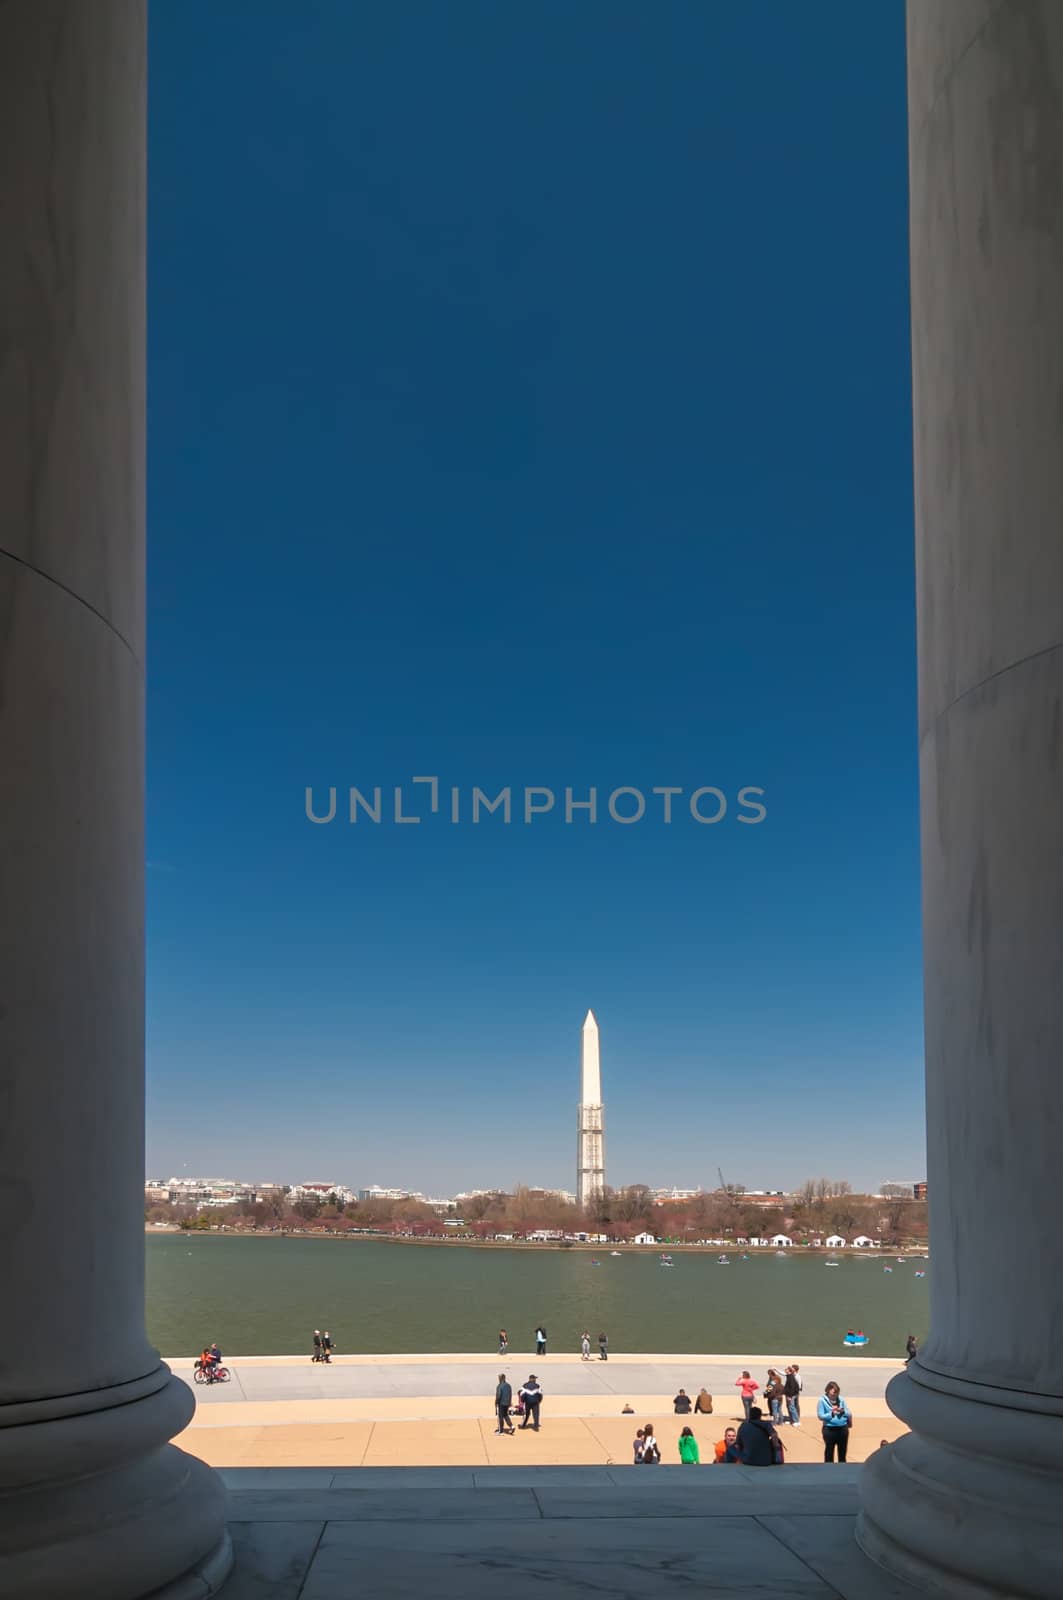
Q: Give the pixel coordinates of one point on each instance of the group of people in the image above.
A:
(781, 1388)
(540, 1343)
(529, 1399)
(323, 1346)
(755, 1442)
(210, 1359)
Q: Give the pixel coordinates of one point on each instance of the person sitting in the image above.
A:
(206, 1363)
(757, 1441)
(627, 1411)
(681, 1404)
(703, 1403)
(651, 1450)
(688, 1448)
(726, 1449)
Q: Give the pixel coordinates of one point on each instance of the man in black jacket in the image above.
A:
(503, 1401)
(532, 1395)
(756, 1441)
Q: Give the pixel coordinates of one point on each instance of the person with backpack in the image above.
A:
(758, 1444)
(651, 1450)
(532, 1396)
(836, 1419)
(773, 1394)
(326, 1347)
(792, 1395)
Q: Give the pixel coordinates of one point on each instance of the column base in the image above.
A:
(95, 1505)
(968, 1504)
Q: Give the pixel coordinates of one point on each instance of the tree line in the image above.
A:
(819, 1208)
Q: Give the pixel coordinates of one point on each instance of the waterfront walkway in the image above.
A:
(436, 1410)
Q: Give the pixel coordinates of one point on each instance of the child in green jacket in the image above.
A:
(688, 1447)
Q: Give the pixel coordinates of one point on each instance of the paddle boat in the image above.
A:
(744, 1256)
(887, 1269)
(666, 1261)
(920, 1274)
(856, 1340)
(832, 1263)
(724, 1261)
(615, 1252)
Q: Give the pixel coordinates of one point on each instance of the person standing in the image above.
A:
(503, 1341)
(326, 1347)
(748, 1387)
(773, 1394)
(792, 1393)
(532, 1396)
(837, 1419)
(703, 1403)
(540, 1340)
(637, 1447)
(911, 1348)
(688, 1448)
(317, 1345)
(503, 1401)
(651, 1450)
(584, 1346)
(603, 1347)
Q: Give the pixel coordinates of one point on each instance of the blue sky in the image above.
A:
(529, 405)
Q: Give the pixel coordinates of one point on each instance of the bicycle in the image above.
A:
(212, 1375)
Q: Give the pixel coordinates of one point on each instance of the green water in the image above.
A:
(266, 1296)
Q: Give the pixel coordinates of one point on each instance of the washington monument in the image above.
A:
(590, 1150)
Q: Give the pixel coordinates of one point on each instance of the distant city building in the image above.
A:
(590, 1138)
(661, 1197)
(903, 1191)
(919, 1191)
(374, 1192)
(322, 1191)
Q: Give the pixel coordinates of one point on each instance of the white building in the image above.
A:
(644, 1238)
(835, 1242)
(781, 1242)
(862, 1242)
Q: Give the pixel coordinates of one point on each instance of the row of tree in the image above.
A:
(818, 1209)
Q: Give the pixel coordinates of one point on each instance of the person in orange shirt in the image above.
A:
(727, 1447)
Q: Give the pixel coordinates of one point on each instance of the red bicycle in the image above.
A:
(212, 1374)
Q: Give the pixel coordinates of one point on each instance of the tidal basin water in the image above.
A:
(265, 1296)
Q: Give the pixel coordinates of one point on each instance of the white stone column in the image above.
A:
(94, 1501)
(970, 1503)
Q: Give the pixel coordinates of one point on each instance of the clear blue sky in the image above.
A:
(529, 404)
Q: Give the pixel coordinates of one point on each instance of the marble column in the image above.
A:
(94, 1500)
(970, 1502)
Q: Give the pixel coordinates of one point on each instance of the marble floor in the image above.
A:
(468, 1534)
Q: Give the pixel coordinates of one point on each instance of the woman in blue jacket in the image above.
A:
(837, 1419)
